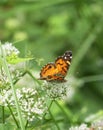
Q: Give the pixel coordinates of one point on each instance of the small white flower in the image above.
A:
(55, 90)
(4, 82)
(98, 125)
(6, 97)
(31, 104)
(15, 69)
(29, 101)
(81, 127)
(10, 49)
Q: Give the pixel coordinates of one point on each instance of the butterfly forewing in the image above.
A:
(62, 66)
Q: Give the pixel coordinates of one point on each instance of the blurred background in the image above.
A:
(46, 29)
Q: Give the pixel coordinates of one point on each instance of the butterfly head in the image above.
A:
(68, 56)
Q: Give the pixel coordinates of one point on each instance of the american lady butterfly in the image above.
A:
(58, 70)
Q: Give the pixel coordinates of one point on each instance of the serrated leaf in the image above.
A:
(15, 60)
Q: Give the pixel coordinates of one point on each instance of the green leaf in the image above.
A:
(15, 60)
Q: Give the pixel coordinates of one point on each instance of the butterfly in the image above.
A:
(58, 70)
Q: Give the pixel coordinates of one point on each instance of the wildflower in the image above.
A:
(55, 90)
(31, 105)
(62, 90)
(81, 127)
(16, 73)
(11, 53)
(4, 82)
(6, 98)
(10, 49)
(98, 125)
(16, 70)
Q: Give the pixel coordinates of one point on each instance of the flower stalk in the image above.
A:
(12, 115)
(3, 115)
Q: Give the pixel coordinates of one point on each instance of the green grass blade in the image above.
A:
(86, 46)
(5, 65)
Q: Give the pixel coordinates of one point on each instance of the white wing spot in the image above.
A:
(70, 57)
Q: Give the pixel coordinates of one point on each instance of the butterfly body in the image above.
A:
(58, 70)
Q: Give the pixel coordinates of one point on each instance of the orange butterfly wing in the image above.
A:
(58, 70)
(48, 71)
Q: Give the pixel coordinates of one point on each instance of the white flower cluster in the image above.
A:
(98, 125)
(16, 70)
(55, 90)
(32, 106)
(6, 98)
(10, 49)
(16, 74)
(3, 80)
(81, 127)
(13, 68)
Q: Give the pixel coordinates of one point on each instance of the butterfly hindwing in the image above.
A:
(48, 71)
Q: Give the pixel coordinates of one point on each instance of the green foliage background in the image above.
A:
(46, 29)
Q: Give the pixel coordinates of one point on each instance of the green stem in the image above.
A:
(12, 114)
(68, 115)
(26, 124)
(52, 115)
(5, 65)
(93, 78)
(54, 120)
(18, 79)
(48, 109)
(3, 115)
(50, 104)
(33, 77)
